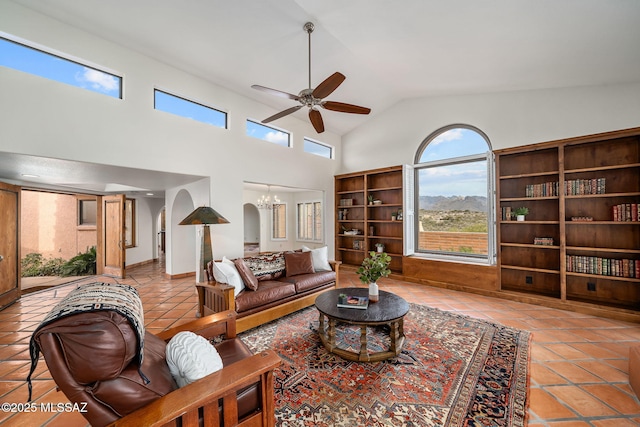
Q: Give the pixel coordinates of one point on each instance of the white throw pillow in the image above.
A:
(319, 257)
(191, 357)
(226, 272)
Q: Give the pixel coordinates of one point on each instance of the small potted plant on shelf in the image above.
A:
(375, 266)
(379, 247)
(520, 213)
(370, 198)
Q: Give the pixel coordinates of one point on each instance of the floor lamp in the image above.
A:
(204, 215)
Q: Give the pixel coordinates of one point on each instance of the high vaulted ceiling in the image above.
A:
(388, 50)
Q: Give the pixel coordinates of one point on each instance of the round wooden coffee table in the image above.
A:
(389, 310)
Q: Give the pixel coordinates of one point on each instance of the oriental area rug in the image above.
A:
(453, 371)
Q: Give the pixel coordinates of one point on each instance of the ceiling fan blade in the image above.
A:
(276, 92)
(330, 84)
(345, 108)
(282, 114)
(316, 120)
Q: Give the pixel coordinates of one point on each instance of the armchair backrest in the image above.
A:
(93, 357)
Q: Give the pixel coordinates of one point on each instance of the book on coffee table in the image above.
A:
(355, 302)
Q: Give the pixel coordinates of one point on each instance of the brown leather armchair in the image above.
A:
(91, 359)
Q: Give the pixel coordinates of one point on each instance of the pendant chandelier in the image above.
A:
(264, 202)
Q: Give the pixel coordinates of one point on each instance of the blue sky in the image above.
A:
(19, 57)
(465, 179)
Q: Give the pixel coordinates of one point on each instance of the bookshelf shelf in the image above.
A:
(607, 164)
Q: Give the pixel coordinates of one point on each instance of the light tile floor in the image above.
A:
(578, 368)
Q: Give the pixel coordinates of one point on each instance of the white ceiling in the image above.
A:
(388, 50)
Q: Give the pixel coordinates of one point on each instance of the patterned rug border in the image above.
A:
(473, 387)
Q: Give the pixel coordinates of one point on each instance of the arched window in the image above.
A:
(453, 199)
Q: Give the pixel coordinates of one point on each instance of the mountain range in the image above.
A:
(454, 203)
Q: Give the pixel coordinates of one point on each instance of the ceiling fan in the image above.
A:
(314, 98)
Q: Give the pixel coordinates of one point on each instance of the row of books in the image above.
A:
(345, 202)
(572, 187)
(625, 212)
(543, 241)
(543, 190)
(603, 266)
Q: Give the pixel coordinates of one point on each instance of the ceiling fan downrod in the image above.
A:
(308, 27)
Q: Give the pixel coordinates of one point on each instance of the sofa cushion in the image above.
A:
(191, 357)
(268, 291)
(266, 266)
(320, 258)
(226, 272)
(249, 279)
(304, 282)
(298, 263)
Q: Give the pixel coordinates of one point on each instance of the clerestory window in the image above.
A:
(37, 61)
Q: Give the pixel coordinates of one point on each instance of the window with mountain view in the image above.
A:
(453, 171)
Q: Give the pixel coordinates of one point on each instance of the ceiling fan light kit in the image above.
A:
(314, 98)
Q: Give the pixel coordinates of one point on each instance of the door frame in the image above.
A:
(10, 262)
(111, 251)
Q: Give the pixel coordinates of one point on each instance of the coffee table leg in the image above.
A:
(393, 335)
(321, 324)
(332, 334)
(364, 354)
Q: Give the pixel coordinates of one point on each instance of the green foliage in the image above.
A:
(374, 267)
(520, 211)
(34, 265)
(454, 221)
(81, 264)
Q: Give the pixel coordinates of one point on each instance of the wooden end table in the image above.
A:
(389, 310)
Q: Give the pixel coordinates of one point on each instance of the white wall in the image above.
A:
(509, 119)
(147, 210)
(46, 118)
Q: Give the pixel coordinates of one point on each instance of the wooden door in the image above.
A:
(9, 244)
(111, 255)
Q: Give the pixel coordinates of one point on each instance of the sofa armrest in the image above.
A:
(214, 297)
(335, 266)
(206, 393)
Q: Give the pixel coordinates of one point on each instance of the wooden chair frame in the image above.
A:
(183, 406)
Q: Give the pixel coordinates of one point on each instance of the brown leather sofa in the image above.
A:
(272, 298)
(91, 357)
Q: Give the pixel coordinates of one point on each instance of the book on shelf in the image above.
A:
(603, 266)
(625, 212)
(572, 187)
(354, 302)
(578, 187)
(506, 213)
(543, 241)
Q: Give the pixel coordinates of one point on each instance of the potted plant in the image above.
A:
(375, 266)
(370, 198)
(520, 212)
(379, 247)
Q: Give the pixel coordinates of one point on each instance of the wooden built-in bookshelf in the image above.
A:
(373, 221)
(602, 172)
